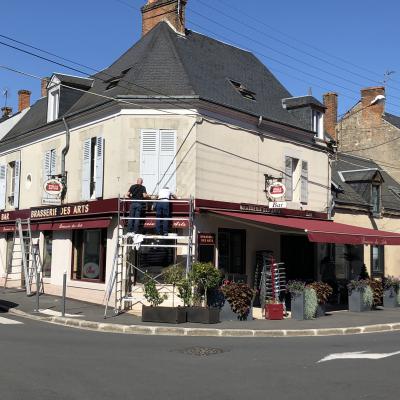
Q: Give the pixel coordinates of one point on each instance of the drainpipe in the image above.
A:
(63, 154)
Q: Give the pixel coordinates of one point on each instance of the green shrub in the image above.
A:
(239, 297)
(310, 302)
(368, 296)
(185, 291)
(151, 293)
(204, 276)
(172, 276)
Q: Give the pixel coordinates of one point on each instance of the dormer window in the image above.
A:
(53, 102)
(241, 89)
(318, 123)
(376, 198)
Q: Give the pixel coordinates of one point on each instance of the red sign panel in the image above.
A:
(206, 239)
(84, 224)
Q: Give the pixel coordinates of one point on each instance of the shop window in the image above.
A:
(47, 253)
(89, 255)
(232, 253)
(377, 261)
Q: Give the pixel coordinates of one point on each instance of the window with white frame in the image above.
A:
(296, 180)
(92, 168)
(53, 104)
(9, 184)
(49, 164)
(158, 159)
(318, 123)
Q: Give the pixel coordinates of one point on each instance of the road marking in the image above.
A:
(6, 321)
(54, 313)
(358, 355)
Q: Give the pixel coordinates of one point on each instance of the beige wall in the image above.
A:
(231, 164)
(392, 253)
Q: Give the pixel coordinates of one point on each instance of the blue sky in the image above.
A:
(336, 45)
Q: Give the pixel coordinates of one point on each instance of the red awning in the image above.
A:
(322, 231)
(77, 224)
(11, 228)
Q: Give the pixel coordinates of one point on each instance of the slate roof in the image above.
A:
(390, 201)
(75, 81)
(164, 62)
(392, 119)
(364, 175)
(302, 101)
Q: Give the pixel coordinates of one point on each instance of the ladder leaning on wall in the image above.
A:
(123, 266)
(23, 258)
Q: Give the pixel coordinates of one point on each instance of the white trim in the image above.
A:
(158, 112)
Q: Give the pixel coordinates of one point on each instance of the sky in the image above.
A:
(310, 45)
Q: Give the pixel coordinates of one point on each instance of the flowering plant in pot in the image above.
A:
(361, 296)
(323, 292)
(304, 301)
(239, 296)
(391, 287)
(154, 313)
(204, 276)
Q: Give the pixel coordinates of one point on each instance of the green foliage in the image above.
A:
(391, 283)
(151, 294)
(323, 291)
(295, 287)
(310, 303)
(239, 296)
(204, 276)
(377, 291)
(364, 273)
(368, 296)
(174, 274)
(185, 292)
(360, 285)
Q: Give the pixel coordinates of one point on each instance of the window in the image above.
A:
(317, 123)
(376, 199)
(47, 253)
(246, 93)
(114, 81)
(49, 164)
(232, 253)
(13, 183)
(377, 261)
(92, 168)
(158, 159)
(89, 255)
(296, 180)
(53, 105)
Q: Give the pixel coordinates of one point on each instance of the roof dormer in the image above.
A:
(53, 96)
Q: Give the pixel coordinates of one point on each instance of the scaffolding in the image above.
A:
(121, 281)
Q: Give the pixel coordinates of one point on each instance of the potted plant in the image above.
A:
(304, 301)
(361, 296)
(154, 313)
(323, 291)
(204, 276)
(172, 276)
(239, 296)
(391, 287)
(377, 291)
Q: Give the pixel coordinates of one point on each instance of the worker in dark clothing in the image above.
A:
(136, 192)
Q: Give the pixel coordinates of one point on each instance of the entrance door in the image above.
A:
(232, 253)
(298, 255)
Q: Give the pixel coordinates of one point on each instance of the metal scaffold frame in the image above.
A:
(122, 268)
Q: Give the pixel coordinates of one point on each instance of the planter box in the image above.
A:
(320, 312)
(227, 314)
(297, 307)
(390, 299)
(274, 311)
(168, 315)
(202, 315)
(356, 303)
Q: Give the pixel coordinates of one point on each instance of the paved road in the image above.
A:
(43, 361)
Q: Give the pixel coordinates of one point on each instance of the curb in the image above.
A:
(177, 331)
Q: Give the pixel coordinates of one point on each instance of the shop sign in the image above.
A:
(258, 209)
(206, 239)
(151, 223)
(53, 187)
(51, 201)
(276, 190)
(277, 204)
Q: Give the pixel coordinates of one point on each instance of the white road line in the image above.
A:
(54, 313)
(357, 355)
(6, 321)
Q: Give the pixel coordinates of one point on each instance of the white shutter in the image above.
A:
(3, 186)
(46, 165)
(99, 166)
(53, 162)
(304, 182)
(289, 178)
(167, 161)
(17, 174)
(149, 159)
(87, 148)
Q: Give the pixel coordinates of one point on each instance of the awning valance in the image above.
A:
(321, 231)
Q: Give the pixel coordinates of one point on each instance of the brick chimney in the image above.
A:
(156, 11)
(43, 86)
(24, 99)
(6, 111)
(373, 105)
(330, 117)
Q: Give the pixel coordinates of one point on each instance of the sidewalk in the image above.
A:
(91, 316)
